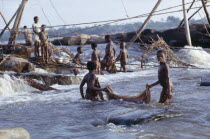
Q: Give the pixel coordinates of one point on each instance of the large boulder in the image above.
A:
(77, 39)
(16, 64)
(14, 133)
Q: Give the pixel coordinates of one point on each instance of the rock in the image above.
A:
(205, 81)
(96, 39)
(142, 116)
(16, 64)
(56, 79)
(77, 39)
(14, 133)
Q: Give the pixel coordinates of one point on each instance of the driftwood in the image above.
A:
(171, 58)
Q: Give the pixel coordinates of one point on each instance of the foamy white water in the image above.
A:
(196, 56)
(10, 86)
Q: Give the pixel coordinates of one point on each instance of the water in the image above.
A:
(63, 114)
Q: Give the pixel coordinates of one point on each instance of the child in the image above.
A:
(43, 36)
(77, 60)
(163, 78)
(36, 28)
(123, 57)
(92, 91)
(95, 57)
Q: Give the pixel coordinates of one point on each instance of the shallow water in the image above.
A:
(63, 114)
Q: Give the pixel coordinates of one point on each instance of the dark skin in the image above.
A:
(77, 59)
(36, 43)
(96, 58)
(110, 51)
(123, 57)
(90, 80)
(45, 53)
(163, 78)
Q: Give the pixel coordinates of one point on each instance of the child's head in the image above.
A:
(79, 50)
(25, 27)
(36, 19)
(93, 45)
(161, 57)
(43, 28)
(91, 65)
(122, 45)
(107, 38)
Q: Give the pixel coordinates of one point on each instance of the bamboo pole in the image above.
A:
(187, 29)
(16, 25)
(144, 24)
(205, 10)
(5, 21)
(9, 23)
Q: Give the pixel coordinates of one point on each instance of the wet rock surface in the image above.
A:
(142, 116)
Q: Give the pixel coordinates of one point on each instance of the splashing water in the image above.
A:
(10, 86)
(196, 56)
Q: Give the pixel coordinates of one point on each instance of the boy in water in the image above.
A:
(43, 36)
(109, 57)
(95, 57)
(163, 78)
(77, 60)
(92, 91)
(123, 57)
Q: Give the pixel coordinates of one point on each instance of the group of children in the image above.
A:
(93, 92)
(109, 59)
(40, 39)
(96, 65)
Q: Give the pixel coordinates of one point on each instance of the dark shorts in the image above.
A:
(165, 94)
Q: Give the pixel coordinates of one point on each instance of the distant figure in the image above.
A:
(27, 35)
(92, 92)
(163, 78)
(77, 61)
(123, 57)
(36, 28)
(95, 57)
(43, 36)
(109, 57)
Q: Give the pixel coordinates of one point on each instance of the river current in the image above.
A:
(63, 114)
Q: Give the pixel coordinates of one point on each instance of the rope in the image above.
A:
(57, 12)
(130, 20)
(140, 16)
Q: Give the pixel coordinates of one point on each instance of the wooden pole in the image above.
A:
(5, 21)
(205, 10)
(144, 25)
(14, 34)
(9, 23)
(187, 29)
(187, 12)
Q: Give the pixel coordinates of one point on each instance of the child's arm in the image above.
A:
(92, 85)
(81, 88)
(119, 56)
(154, 84)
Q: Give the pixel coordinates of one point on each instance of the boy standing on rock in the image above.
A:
(123, 57)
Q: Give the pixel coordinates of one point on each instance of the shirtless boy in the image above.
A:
(95, 57)
(43, 36)
(163, 78)
(92, 91)
(77, 60)
(123, 57)
(109, 57)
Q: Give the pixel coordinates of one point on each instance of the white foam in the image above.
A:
(10, 86)
(196, 56)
